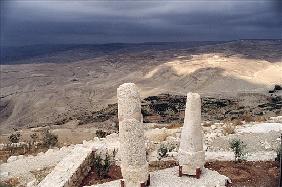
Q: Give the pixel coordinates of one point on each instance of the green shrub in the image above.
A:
(164, 149)
(101, 133)
(101, 166)
(15, 137)
(169, 112)
(277, 87)
(238, 147)
(278, 154)
(145, 110)
(49, 139)
(34, 137)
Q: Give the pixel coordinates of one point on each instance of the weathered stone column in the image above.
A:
(191, 153)
(134, 166)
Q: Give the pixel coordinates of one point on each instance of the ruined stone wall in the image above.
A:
(71, 170)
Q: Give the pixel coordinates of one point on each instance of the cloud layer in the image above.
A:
(40, 22)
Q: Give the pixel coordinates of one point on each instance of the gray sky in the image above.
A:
(42, 22)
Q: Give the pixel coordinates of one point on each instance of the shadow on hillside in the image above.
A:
(206, 81)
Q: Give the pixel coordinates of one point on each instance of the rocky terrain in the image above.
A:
(261, 139)
(168, 108)
(56, 87)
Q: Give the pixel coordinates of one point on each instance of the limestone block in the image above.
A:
(40, 154)
(156, 135)
(71, 170)
(172, 154)
(12, 159)
(20, 157)
(4, 174)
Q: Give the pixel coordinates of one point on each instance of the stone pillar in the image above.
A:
(191, 154)
(134, 166)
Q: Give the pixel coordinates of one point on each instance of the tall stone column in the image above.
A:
(134, 166)
(191, 153)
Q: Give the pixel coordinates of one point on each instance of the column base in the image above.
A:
(144, 184)
(197, 172)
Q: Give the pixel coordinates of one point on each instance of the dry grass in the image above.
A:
(237, 122)
(207, 124)
(260, 118)
(174, 126)
(247, 118)
(10, 182)
(168, 126)
(229, 129)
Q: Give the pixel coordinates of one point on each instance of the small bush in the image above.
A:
(174, 126)
(101, 133)
(237, 122)
(278, 154)
(15, 137)
(101, 166)
(145, 110)
(169, 112)
(238, 147)
(34, 137)
(277, 87)
(162, 151)
(260, 118)
(247, 118)
(49, 139)
(97, 163)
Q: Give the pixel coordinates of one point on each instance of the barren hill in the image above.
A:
(35, 92)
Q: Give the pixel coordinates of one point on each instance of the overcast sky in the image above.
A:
(41, 22)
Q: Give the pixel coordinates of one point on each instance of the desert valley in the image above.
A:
(71, 94)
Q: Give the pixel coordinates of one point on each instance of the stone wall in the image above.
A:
(71, 170)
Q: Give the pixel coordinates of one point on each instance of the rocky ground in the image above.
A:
(262, 140)
(168, 108)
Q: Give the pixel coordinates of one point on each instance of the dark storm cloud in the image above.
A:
(32, 22)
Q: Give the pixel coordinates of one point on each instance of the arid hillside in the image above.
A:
(35, 92)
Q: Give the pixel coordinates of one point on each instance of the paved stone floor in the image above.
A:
(169, 178)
